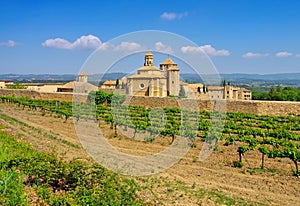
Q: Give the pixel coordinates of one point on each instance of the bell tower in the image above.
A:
(173, 81)
(171, 70)
(148, 59)
(82, 77)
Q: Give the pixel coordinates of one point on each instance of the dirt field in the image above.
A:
(188, 182)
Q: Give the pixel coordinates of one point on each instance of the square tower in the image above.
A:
(171, 70)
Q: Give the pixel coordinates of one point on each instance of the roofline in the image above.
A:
(3, 80)
(143, 77)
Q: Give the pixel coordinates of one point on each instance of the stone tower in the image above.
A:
(148, 59)
(171, 70)
(82, 77)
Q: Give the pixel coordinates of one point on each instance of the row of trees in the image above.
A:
(278, 93)
(16, 86)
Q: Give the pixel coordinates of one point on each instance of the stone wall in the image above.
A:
(248, 106)
(277, 107)
(108, 90)
(68, 97)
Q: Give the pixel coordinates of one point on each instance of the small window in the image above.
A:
(172, 82)
(142, 86)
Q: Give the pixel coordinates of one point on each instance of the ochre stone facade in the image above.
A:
(227, 92)
(154, 82)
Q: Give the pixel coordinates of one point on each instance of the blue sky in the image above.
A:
(240, 36)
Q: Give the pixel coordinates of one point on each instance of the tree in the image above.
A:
(271, 93)
(16, 86)
(199, 90)
(100, 97)
(223, 83)
(278, 94)
(278, 88)
(117, 83)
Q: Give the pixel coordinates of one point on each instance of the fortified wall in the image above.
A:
(62, 96)
(247, 106)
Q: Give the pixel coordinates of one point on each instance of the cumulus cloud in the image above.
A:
(172, 16)
(159, 46)
(208, 49)
(255, 55)
(57, 43)
(82, 43)
(283, 54)
(9, 43)
(105, 46)
(87, 42)
(128, 47)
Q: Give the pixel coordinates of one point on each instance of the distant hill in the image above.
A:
(286, 79)
(281, 76)
(57, 77)
(34, 77)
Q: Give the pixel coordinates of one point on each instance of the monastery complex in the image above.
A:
(165, 81)
(152, 81)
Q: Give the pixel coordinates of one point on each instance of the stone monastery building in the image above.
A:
(154, 82)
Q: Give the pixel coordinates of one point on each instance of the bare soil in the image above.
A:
(189, 182)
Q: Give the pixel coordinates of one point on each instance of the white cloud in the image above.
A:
(159, 46)
(172, 16)
(57, 43)
(87, 42)
(105, 46)
(208, 49)
(90, 42)
(255, 55)
(128, 46)
(9, 43)
(283, 54)
(82, 43)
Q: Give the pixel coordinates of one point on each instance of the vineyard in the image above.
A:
(272, 136)
(29, 177)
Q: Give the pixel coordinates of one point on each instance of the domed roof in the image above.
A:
(148, 68)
